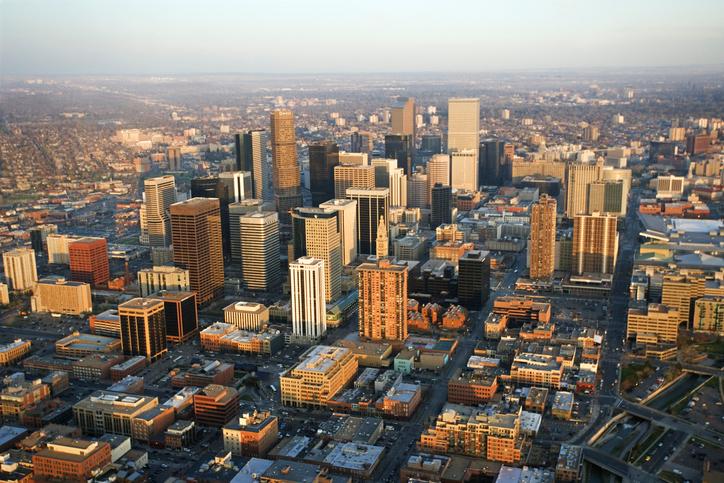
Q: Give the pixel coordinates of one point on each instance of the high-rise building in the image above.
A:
(180, 314)
(59, 296)
(20, 269)
(463, 128)
(542, 244)
(315, 233)
(359, 159)
(361, 142)
(160, 195)
(254, 160)
(155, 279)
(382, 300)
(287, 177)
(352, 176)
(347, 225)
(431, 144)
(590, 134)
(238, 185)
(438, 170)
(196, 234)
(400, 147)
(441, 207)
(372, 204)
(624, 175)
(323, 157)
(388, 175)
(595, 243)
(242, 161)
(464, 169)
(89, 261)
(173, 156)
(215, 405)
(418, 191)
(579, 176)
(653, 324)
(698, 143)
(143, 328)
(236, 210)
(322, 372)
(492, 163)
(670, 187)
(213, 188)
(606, 196)
(260, 250)
(709, 314)
(474, 279)
(309, 312)
(403, 118)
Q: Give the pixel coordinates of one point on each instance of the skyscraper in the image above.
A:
(309, 312)
(316, 234)
(352, 176)
(242, 162)
(180, 313)
(542, 244)
(492, 159)
(212, 187)
(196, 234)
(463, 128)
(20, 269)
(360, 142)
(464, 169)
(474, 279)
(606, 196)
(399, 147)
(287, 177)
(595, 243)
(255, 161)
(438, 170)
(238, 185)
(372, 204)
(323, 157)
(89, 261)
(382, 300)
(403, 118)
(143, 328)
(431, 144)
(347, 223)
(235, 211)
(441, 211)
(173, 156)
(160, 195)
(260, 250)
(578, 177)
(388, 175)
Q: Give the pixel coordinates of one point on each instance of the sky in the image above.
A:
(152, 37)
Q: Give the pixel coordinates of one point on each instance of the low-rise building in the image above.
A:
(78, 345)
(180, 434)
(61, 296)
(109, 412)
(13, 351)
(107, 323)
(19, 394)
(71, 460)
(562, 406)
(471, 387)
(216, 405)
(247, 315)
(568, 466)
(251, 434)
(536, 370)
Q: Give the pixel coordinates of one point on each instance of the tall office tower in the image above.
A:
(698, 143)
(463, 127)
(235, 211)
(595, 243)
(89, 261)
(197, 246)
(399, 147)
(160, 194)
(606, 196)
(238, 185)
(315, 233)
(360, 159)
(590, 134)
(352, 176)
(347, 225)
(388, 175)
(431, 144)
(152, 280)
(464, 169)
(323, 157)
(57, 246)
(438, 170)
(542, 244)
(474, 279)
(372, 204)
(287, 177)
(254, 160)
(418, 192)
(20, 270)
(309, 310)
(403, 119)
(382, 244)
(143, 328)
(212, 187)
(361, 142)
(180, 313)
(490, 162)
(441, 211)
(173, 156)
(623, 174)
(242, 162)
(382, 300)
(260, 250)
(579, 176)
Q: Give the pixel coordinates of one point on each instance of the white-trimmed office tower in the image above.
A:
(347, 221)
(309, 310)
(255, 142)
(464, 169)
(238, 184)
(160, 195)
(260, 250)
(388, 175)
(163, 277)
(463, 126)
(315, 233)
(20, 270)
(236, 210)
(438, 171)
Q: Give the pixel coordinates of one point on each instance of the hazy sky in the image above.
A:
(179, 36)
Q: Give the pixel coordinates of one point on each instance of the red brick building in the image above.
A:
(89, 261)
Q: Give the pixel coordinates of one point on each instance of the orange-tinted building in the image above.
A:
(70, 460)
(89, 261)
(542, 244)
(286, 173)
(382, 300)
(216, 405)
(471, 387)
(522, 309)
(251, 434)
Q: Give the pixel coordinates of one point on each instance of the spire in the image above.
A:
(382, 239)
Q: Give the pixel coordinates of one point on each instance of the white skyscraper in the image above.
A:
(20, 271)
(160, 194)
(347, 219)
(464, 169)
(309, 313)
(388, 175)
(259, 232)
(239, 184)
(463, 129)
